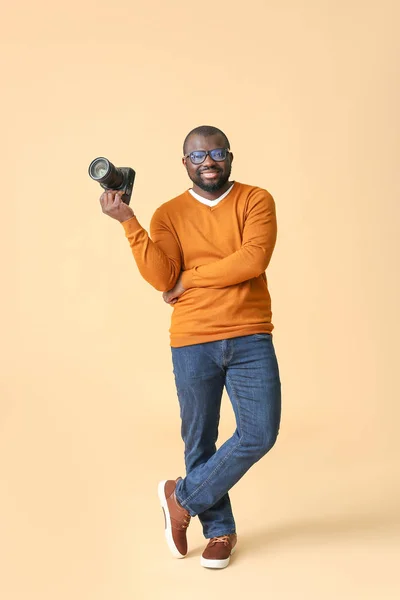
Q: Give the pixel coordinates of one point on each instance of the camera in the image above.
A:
(113, 178)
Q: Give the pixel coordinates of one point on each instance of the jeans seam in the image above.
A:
(238, 405)
(200, 487)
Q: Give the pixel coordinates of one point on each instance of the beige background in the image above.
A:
(308, 93)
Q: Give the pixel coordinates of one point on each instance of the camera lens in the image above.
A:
(101, 170)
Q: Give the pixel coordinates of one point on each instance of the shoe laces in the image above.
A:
(186, 521)
(222, 538)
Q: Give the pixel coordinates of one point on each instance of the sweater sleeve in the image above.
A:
(251, 260)
(158, 258)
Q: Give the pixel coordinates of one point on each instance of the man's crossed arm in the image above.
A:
(159, 257)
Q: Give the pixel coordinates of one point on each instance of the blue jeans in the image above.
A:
(248, 367)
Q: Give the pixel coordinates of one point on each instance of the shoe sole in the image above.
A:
(168, 529)
(208, 563)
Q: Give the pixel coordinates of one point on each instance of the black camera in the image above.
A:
(113, 178)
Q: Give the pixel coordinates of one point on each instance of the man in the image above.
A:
(207, 252)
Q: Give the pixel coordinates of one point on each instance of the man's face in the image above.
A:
(210, 175)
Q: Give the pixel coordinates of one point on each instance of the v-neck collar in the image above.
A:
(212, 208)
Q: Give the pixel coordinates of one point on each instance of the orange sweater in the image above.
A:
(223, 251)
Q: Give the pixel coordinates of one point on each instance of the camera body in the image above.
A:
(113, 178)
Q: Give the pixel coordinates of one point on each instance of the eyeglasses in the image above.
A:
(199, 156)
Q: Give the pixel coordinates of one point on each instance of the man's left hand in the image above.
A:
(172, 296)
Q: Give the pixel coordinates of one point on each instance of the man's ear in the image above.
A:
(184, 161)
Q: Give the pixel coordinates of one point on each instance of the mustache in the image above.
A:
(204, 170)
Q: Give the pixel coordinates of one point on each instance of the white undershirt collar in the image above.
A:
(210, 202)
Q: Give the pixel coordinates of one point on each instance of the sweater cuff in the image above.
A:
(131, 225)
(187, 278)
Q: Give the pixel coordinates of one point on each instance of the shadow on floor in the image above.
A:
(331, 526)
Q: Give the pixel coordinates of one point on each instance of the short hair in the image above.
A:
(206, 131)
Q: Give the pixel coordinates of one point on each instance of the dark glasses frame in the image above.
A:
(208, 153)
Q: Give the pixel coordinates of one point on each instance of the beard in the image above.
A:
(212, 186)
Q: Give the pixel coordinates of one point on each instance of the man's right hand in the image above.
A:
(113, 206)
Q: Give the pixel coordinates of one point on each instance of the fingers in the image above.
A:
(169, 299)
(112, 196)
(117, 199)
(103, 200)
(110, 199)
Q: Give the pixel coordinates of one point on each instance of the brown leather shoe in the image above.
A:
(218, 551)
(176, 517)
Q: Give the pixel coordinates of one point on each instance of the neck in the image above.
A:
(212, 195)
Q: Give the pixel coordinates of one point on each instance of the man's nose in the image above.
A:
(209, 162)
